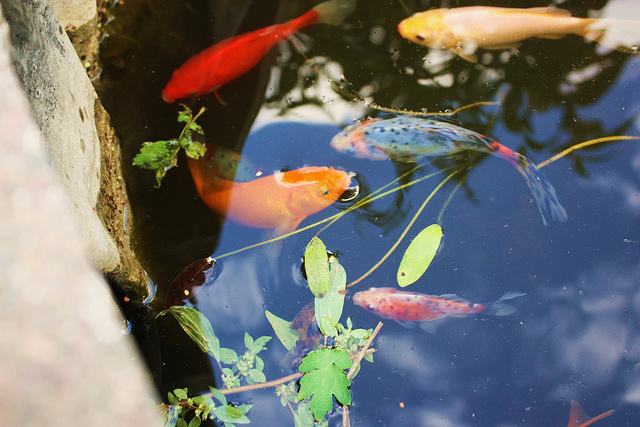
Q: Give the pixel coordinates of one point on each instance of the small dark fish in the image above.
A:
(189, 281)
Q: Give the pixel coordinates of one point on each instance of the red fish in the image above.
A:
(279, 201)
(406, 306)
(227, 60)
(577, 417)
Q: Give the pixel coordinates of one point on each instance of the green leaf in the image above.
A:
(218, 395)
(316, 264)
(180, 393)
(181, 423)
(195, 422)
(228, 356)
(287, 336)
(197, 327)
(324, 378)
(259, 344)
(195, 150)
(154, 155)
(419, 255)
(172, 398)
(329, 308)
(248, 341)
(303, 416)
(256, 376)
(232, 414)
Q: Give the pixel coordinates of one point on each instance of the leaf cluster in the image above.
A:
(180, 404)
(324, 369)
(249, 367)
(163, 155)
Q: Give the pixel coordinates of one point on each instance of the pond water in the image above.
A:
(575, 335)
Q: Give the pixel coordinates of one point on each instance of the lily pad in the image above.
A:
(316, 262)
(419, 255)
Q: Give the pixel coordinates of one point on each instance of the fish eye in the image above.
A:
(420, 37)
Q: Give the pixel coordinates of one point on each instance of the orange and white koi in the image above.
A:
(227, 60)
(407, 306)
(577, 417)
(465, 29)
(280, 201)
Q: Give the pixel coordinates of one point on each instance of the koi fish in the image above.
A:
(577, 417)
(408, 307)
(408, 139)
(279, 201)
(462, 30)
(227, 60)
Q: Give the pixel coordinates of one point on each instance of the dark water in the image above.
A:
(576, 335)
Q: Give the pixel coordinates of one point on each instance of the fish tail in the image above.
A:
(500, 308)
(334, 12)
(618, 26)
(543, 192)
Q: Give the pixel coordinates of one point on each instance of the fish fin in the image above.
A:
(543, 192)
(405, 324)
(429, 327)
(334, 12)
(500, 308)
(219, 98)
(273, 249)
(513, 45)
(577, 417)
(618, 26)
(555, 11)
(471, 57)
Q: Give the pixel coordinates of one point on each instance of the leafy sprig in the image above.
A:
(163, 155)
(204, 408)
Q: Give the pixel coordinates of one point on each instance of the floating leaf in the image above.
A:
(197, 327)
(329, 308)
(316, 263)
(282, 328)
(190, 280)
(419, 255)
(324, 378)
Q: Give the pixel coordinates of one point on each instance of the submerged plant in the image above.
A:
(161, 156)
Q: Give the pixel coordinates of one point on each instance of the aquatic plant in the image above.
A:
(161, 156)
(322, 371)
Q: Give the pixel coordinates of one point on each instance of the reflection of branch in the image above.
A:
(582, 145)
(259, 386)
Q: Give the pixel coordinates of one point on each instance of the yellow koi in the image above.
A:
(465, 29)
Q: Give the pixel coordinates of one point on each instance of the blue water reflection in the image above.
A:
(575, 336)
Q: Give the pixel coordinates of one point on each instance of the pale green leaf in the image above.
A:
(287, 336)
(218, 395)
(256, 376)
(197, 327)
(232, 414)
(329, 308)
(419, 255)
(316, 264)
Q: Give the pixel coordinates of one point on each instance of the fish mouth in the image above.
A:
(352, 192)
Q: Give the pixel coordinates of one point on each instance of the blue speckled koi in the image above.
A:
(408, 139)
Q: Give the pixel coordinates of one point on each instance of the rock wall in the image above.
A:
(63, 357)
